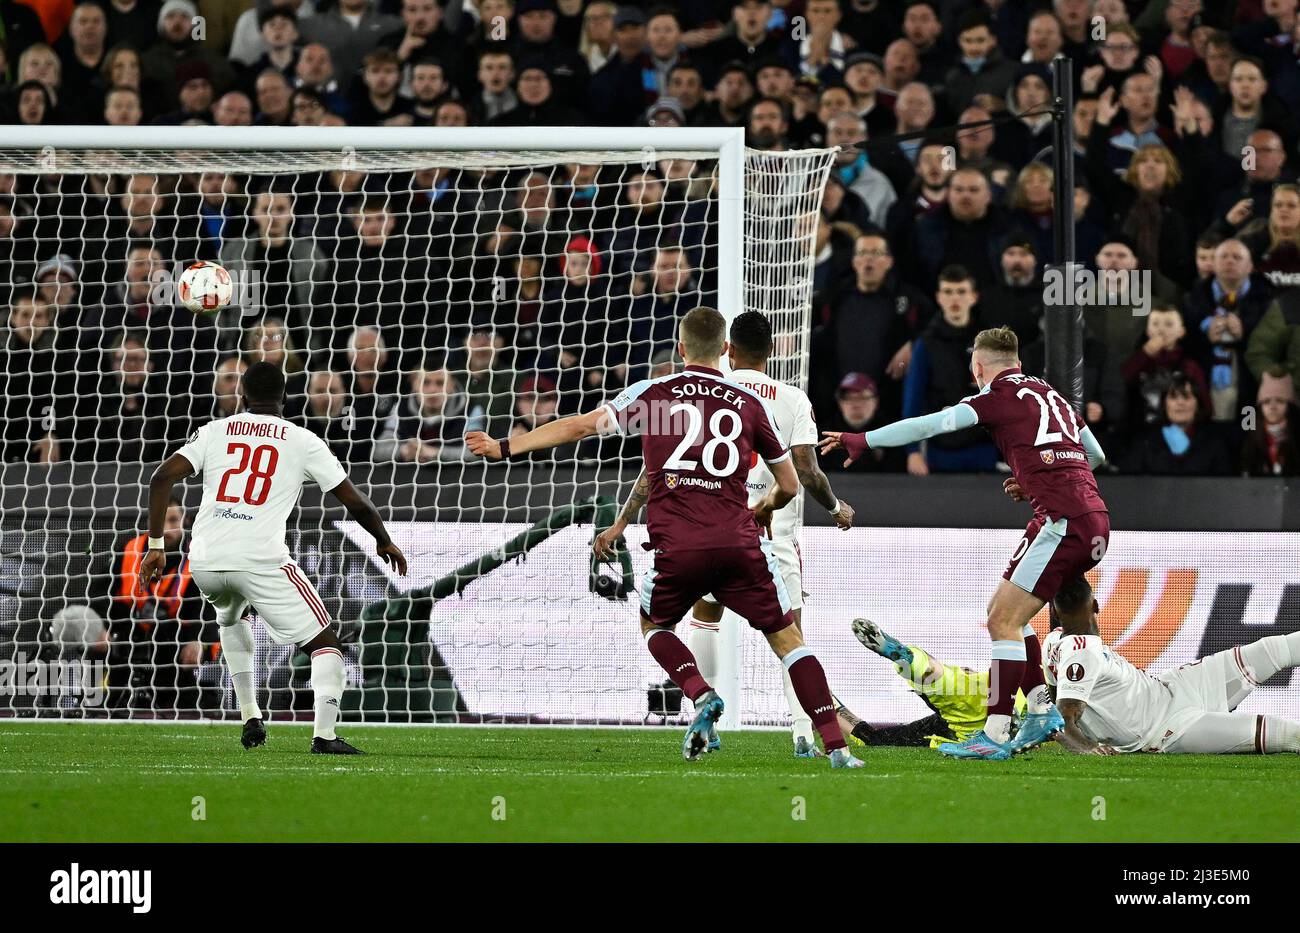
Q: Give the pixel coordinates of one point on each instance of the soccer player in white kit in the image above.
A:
(750, 347)
(254, 465)
(1110, 706)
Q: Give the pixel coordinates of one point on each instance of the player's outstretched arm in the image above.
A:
(555, 434)
(1072, 737)
(363, 510)
(812, 478)
(901, 433)
(604, 543)
(172, 470)
(1096, 456)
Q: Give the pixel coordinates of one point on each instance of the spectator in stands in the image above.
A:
(270, 341)
(672, 289)
(377, 102)
(1221, 314)
(1273, 447)
(981, 69)
(176, 45)
(1247, 107)
(1016, 300)
(279, 29)
(372, 388)
(1160, 361)
(1265, 162)
(863, 74)
(132, 23)
(976, 146)
(488, 379)
(34, 106)
(915, 111)
(274, 99)
(627, 83)
(641, 220)
(822, 49)
(1120, 54)
(248, 42)
(581, 325)
(41, 63)
(846, 130)
(1043, 39)
(748, 40)
(350, 30)
(496, 75)
(325, 413)
(1184, 443)
(599, 42)
(234, 108)
(122, 68)
(224, 399)
(536, 404)
(731, 96)
(1121, 130)
(1117, 319)
(832, 265)
(83, 50)
(288, 267)
(452, 113)
(122, 107)
(122, 413)
(966, 230)
(537, 42)
(871, 325)
(315, 72)
(429, 88)
(1274, 246)
(767, 126)
(22, 29)
(902, 66)
(857, 403)
(28, 382)
(157, 634)
(194, 86)
(922, 28)
(430, 422)
(938, 377)
(537, 105)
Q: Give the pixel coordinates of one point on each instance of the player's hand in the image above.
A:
(483, 446)
(151, 567)
(605, 546)
(763, 512)
(916, 465)
(393, 557)
(854, 445)
(844, 519)
(1103, 750)
(1012, 488)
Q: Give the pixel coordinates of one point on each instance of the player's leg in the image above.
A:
(1235, 734)
(295, 614)
(1250, 665)
(703, 635)
(238, 649)
(811, 690)
(790, 565)
(669, 588)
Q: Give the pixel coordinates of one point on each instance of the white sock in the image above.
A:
(703, 642)
(237, 647)
(327, 686)
(800, 722)
(1266, 657)
(998, 727)
(1039, 700)
(1281, 735)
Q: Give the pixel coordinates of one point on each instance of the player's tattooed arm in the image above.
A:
(818, 485)
(605, 541)
(1073, 737)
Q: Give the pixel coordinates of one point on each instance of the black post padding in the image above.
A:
(1063, 319)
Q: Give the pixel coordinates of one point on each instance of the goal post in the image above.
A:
(414, 283)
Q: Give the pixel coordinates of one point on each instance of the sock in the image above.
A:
(814, 695)
(800, 723)
(1279, 735)
(1032, 685)
(677, 661)
(327, 686)
(1261, 659)
(703, 643)
(1005, 675)
(237, 647)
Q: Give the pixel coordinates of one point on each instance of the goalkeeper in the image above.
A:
(957, 696)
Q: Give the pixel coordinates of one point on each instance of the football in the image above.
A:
(205, 287)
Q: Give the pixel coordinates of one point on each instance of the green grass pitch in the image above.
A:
(137, 782)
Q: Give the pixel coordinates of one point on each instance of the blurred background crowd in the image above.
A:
(410, 307)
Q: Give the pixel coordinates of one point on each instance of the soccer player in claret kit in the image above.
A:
(254, 465)
(699, 432)
(1052, 456)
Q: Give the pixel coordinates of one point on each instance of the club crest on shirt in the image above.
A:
(1049, 456)
(1074, 673)
(670, 480)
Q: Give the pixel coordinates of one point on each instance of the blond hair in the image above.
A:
(703, 332)
(998, 344)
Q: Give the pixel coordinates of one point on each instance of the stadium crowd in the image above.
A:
(410, 307)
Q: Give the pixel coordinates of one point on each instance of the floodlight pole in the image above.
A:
(1063, 318)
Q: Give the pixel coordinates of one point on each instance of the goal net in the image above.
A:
(413, 284)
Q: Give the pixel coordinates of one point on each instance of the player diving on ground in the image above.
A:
(1052, 456)
(254, 465)
(1110, 706)
(749, 349)
(700, 432)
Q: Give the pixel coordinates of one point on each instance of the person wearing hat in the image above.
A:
(620, 92)
(177, 46)
(247, 43)
(194, 87)
(1016, 298)
(565, 67)
(666, 111)
(857, 408)
(748, 40)
(58, 284)
(863, 73)
(537, 104)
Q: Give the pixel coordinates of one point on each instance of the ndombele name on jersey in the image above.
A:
(278, 432)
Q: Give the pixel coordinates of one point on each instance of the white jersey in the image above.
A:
(1127, 707)
(794, 425)
(253, 468)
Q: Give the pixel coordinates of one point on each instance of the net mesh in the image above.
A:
(410, 297)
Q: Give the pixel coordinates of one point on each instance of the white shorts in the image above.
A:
(789, 564)
(284, 599)
(1198, 688)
